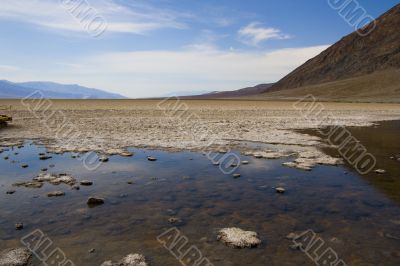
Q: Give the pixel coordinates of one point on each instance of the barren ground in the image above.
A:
(108, 125)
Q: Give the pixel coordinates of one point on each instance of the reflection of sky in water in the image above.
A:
(326, 200)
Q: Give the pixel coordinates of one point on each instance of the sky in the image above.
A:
(152, 48)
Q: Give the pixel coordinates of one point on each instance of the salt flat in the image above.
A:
(109, 125)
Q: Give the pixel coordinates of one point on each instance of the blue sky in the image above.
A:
(150, 48)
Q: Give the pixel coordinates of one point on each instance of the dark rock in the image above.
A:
(151, 158)
(93, 201)
(86, 183)
(19, 226)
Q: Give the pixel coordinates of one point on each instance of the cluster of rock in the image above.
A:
(305, 159)
(54, 179)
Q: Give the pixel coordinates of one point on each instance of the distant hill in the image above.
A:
(351, 62)
(53, 90)
(250, 91)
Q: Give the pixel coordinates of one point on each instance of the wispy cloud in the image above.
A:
(9, 68)
(137, 19)
(157, 72)
(253, 34)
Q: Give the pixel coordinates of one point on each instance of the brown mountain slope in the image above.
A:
(353, 56)
(380, 86)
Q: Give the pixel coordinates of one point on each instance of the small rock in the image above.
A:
(126, 154)
(280, 190)
(236, 175)
(43, 169)
(238, 238)
(6, 158)
(380, 171)
(151, 158)
(173, 220)
(86, 183)
(130, 260)
(245, 162)
(215, 163)
(9, 192)
(51, 165)
(392, 157)
(103, 159)
(55, 194)
(222, 151)
(44, 157)
(24, 165)
(76, 187)
(292, 236)
(130, 182)
(233, 165)
(92, 250)
(15, 257)
(92, 201)
(19, 226)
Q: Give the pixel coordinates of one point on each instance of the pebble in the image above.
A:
(245, 162)
(151, 158)
(126, 154)
(236, 175)
(9, 192)
(24, 165)
(380, 171)
(103, 159)
(19, 226)
(55, 194)
(280, 190)
(86, 183)
(43, 169)
(92, 250)
(173, 220)
(44, 157)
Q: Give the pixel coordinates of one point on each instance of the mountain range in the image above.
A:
(53, 90)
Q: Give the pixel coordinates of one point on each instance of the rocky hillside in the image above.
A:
(353, 56)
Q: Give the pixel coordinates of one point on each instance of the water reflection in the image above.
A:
(140, 197)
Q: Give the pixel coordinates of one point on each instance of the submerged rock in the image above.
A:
(236, 175)
(9, 192)
(245, 162)
(28, 184)
(280, 190)
(55, 179)
(380, 171)
(55, 194)
(238, 238)
(19, 226)
(129, 260)
(24, 165)
(93, 201)
(15, 257)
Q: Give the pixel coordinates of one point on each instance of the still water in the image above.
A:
(357, 216)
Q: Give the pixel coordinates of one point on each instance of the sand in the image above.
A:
(109, 126)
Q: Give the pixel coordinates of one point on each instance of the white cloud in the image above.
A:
(253, 34)
(154, 73)
(137, 19)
